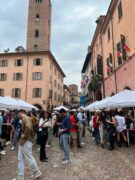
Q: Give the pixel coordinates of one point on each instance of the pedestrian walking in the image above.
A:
(25, 148)
(64, 137)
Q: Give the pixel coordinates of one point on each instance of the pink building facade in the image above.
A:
(114, 43)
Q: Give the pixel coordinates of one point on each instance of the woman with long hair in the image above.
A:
(43, 127)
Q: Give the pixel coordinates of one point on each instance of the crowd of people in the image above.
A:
(25, 128)
(21, 129)
(111, 127)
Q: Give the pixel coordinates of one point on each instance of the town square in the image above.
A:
(67, 90)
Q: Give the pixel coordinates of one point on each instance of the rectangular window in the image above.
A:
(36, 33)
(37, 76)
(119, 53)
(58, 98)
(37, 62)
(99, 65)
(16, 93)
(17, 76)
(55, 96)
(3, 77)
(109, 65)
(1, 92)
(3, 63)
(50, 94)
(18, 62)
(120, 12)
(37, 93)
(109, 34)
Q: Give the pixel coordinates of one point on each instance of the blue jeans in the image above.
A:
(64, 143)
(96, 133)
(16, 136)
(25, 153)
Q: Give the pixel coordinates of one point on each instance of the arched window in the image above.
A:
(35, 47)
(36, 33)
(37, 17)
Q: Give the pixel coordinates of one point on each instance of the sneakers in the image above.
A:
(65, 162)
(48, 146)
(12, 148)
(19, 178)
(3, 152)
(7, 143)
(82, 143)
(37, 174)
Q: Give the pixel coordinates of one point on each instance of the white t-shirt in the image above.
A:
(41, 121)
(121, 123)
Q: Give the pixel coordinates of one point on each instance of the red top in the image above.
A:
(95, 124)
(72, 122)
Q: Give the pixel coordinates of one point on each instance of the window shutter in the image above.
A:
(14, 76)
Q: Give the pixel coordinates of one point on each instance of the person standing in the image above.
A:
(25, 148)
(1, 124)
(96, 126)
(121, 127)
(43, 128)
(17, 125)
(64, 137)
(73, 130)
(81, 119)
(111, 129)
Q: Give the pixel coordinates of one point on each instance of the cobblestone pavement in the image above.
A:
(88, 163)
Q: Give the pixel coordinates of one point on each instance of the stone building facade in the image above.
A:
(33, 74)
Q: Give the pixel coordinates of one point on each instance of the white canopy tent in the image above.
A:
(8, 102)
(92, 106)
(61, 107)
(125, 98)
(26, 105)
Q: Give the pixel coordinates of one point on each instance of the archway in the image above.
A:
(112, 94)
(127, 88)
(38, 106)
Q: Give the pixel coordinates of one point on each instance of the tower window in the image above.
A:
(38, 1)
(37, 17)
(35, 47)
(36, 33)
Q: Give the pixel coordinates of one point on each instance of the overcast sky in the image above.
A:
(73, 25)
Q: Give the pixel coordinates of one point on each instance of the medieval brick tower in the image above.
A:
(39, 25)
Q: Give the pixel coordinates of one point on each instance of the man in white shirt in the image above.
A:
(81, 119)
(121, 126)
